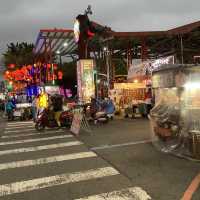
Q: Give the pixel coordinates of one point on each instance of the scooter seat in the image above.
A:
(98, 114)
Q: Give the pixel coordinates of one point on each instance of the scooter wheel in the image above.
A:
(39, 126)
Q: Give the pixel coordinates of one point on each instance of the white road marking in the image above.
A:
(19, 127)
(31, 134)
(125, 194)
(19, 131)
(15, 123)
(38, 148)
(30, 129)
(45, 182)
(36, 140)
(120, 145)
(41, 161)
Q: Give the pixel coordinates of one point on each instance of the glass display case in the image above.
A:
(175, 118)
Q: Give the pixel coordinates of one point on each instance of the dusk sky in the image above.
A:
(21, 20)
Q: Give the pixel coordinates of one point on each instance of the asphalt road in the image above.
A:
(115, 161)
(56, 165)
(124, 143)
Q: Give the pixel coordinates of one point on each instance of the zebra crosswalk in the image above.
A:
(55, 165)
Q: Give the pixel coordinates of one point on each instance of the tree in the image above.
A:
(19, 54)
(120, 67)
(69, 76)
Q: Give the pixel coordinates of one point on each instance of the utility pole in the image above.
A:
(108, 69)
(182, 60)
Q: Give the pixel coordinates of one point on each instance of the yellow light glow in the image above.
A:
(192, 85)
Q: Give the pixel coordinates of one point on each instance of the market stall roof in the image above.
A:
(60, 41)
(175, 31)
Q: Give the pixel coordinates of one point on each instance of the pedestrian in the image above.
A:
(34, 108)
(42, 101)
(57, 108)
(93, 107)
(148, 101)
(10, 109)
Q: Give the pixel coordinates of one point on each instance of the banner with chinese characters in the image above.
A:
(76, 123)
(85, 80)
(141, 68)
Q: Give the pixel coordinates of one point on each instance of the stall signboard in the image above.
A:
(85, 80)
(76, 123)
(142, 68)
(155, 64)
(23, 105)
(52, 90)
(128, 86)
(137, 70)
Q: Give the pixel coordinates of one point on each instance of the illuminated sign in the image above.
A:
(146, 67)
(85, 80)
(162, 61)
(76, 30)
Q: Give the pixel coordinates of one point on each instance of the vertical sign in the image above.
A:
(85, 80)
(76, 123)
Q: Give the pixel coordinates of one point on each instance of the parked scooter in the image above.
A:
(46, 119)
(109, 108)
(101, 117)
(96, 117)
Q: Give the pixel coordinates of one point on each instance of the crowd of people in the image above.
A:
(37, 105)
(54, 104)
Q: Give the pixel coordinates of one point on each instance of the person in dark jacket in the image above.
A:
(93, 107)
(57, 103)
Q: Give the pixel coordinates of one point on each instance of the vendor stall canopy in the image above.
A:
(148, 45)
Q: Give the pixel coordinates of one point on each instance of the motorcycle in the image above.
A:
(101, 117)
(96, 117)
(46, 119)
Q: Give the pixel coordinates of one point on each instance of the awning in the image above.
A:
(58, 41)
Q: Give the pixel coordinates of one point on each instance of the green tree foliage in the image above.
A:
(120, 67)
(19, 54)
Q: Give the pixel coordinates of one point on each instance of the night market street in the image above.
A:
(117, 156)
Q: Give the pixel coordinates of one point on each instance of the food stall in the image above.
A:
(125, 95)
(175, 118)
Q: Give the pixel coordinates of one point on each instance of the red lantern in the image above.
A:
(54, 77)
(55, 66)
(49, 77)
(60, 75)
(11, 66)
(29, 67)
(7, 72)
(48, 66)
